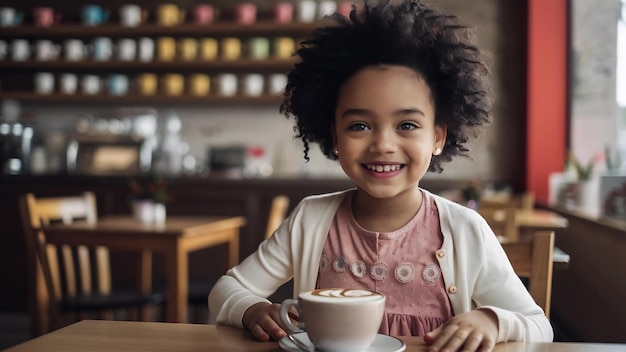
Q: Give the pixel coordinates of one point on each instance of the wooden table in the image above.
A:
(175, 239)
(100, 335)
(533, 220)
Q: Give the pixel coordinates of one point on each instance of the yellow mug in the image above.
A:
(231, 48)
(166, 48)
(170, 15)
(284, 47)
(147, 83)
(199, 84)
(208, 49)
(173, 84)
(188, 49)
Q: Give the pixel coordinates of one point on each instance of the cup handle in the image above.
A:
(284, 315)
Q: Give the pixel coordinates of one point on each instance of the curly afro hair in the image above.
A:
(411, 34)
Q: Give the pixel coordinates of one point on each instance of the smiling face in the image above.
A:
(385, 131)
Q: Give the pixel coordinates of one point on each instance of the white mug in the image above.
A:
(75, 50)
(130, 15)
(227, 84)
(146, 49)
(253, 84)
(46, 50)
(326, 8)
(91, 84)
(102, 49)
(20, 49)
(44, 83)
(306, 10)
(68, 83)
(9, 17)
(126, 49)
(277, 83)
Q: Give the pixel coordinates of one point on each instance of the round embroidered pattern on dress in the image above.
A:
(379, 271)
(405, 272)
(340, 264)
(324, 263)
(358, 269)
(431, 273)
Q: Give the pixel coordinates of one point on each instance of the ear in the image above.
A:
(441, 132)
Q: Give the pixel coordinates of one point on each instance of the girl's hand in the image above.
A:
(472, 331)
(263, 321)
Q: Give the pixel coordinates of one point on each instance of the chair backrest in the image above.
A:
(278, 211)
(502, 221)
(523, 201)
(66, 270)
(533, 260)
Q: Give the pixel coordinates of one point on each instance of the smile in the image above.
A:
(383, 168)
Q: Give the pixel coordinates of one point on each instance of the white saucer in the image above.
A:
(382, 343)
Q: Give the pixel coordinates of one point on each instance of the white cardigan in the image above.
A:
(475, 268)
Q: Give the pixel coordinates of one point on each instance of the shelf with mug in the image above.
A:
(57, 98)
(266, 65)
(262, 28)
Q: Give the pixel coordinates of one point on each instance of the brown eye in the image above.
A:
(405, 126)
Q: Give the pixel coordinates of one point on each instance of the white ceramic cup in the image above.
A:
(74, 49)
(145, 49)
(102, 49)
(277, 83)
(68, 83)
(306, 10)
(44, 83)
(227, 84)
(337, 319)
(252, 84)
(326, 8)
(91, 84)
(20, 50)
(130, 15)
(126, 49)
(9, 17)
(46, 50)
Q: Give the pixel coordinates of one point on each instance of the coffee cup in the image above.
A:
(68, 83)
(277, 83)
(306, 10)
(147, 83)
(344, 8)
(44, 83)
(132, 15)
(118, 84)
(282, 12)
(126, 49)
(188, 49)
(258, 48)
(74, 50)
(46, 50)
(102, 48)
(231, 48)
(209, 49)
(245, 13)
(252, 84)
(227, 84)
(10, 17)
(170, 15)
(284, 47)
(173, 84)
(20, 50)
(336, 319)
(326, 8)
(199, 84)
(45, 16)
(146, 49)
(204, 14)
(91, 84)
(166, 48)
(94, 15)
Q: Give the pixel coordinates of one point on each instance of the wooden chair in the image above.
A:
(502, 222)
(524, 201)
(76, 280)
(533, 260)
(199, 291)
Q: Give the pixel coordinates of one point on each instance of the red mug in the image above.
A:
(204, 14)
(245, 13)
(344, 8)
(283, 12)
(44, 16)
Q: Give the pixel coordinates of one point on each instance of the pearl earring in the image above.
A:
(437, 151)
(336, 152)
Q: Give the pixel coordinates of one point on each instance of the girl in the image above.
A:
(392, 92)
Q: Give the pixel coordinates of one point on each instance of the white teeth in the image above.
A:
(383, 168)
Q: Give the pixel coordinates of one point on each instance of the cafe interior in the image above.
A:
(146, 140)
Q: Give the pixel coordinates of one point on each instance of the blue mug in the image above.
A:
(118, 84)
(94, 15)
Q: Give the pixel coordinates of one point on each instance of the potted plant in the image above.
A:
(148, 199)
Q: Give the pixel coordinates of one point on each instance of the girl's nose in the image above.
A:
(383, 142)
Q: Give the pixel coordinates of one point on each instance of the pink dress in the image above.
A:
(400, 264)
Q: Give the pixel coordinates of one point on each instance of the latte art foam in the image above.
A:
(342, 294)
